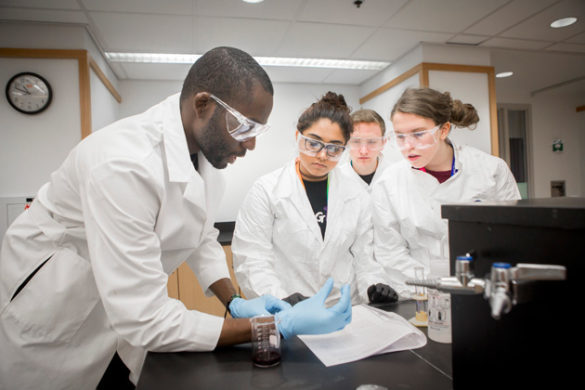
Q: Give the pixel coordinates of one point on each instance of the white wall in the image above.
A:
(138, 95)
(553, 116)
(35, 145)
(104, 107)
(41, 35)
(470, 88)
(32, 146)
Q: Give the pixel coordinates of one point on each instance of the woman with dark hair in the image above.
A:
(408, 229)
(308, 221)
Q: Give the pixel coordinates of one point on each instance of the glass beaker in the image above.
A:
(265, 341)
(421, 316)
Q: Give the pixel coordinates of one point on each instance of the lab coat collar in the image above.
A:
(382, 164)
(458, 163)
(341, 190)
(291, 189)
(426, 184)
(290, 184)
(179, 165)
(457, 151)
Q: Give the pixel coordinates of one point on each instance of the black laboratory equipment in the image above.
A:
(517, 303)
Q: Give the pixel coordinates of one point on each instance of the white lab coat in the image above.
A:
(382, 165)
(124, 210)
(278, 247)
(408, 228)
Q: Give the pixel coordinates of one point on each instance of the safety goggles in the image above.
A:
(312, 147)
(239, 126)
(372, 144)
(419, 139)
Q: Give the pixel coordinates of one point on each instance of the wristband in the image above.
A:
(227, 305)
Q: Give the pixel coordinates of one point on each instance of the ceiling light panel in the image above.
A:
(563, 22)
(161, 58)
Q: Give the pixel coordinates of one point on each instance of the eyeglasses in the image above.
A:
(370, 143)
(313, 147)
(418, 139)
(238, 125)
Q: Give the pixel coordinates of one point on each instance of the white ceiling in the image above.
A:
(379, 30)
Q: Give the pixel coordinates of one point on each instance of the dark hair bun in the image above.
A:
(331, 106)
(337, 101)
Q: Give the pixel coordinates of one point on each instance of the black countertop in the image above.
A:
(231, 367)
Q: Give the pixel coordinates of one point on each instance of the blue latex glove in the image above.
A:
(312, 317)
(264, 305)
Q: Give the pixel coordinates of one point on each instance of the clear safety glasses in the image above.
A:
(372, 144)
(238, 125)
(419, 139)
(312, 147)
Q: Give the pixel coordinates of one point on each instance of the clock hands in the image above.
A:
(38, 88)
(22, 90)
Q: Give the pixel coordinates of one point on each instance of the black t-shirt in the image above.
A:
(368, 178)
(195, 161)
(317, 194)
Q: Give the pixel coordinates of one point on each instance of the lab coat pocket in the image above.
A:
(55, 302)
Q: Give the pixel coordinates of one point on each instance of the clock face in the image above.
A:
(29, 93)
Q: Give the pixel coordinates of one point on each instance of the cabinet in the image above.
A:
(534, 346)
(183, 285)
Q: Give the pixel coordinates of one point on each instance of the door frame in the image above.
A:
(504, 135)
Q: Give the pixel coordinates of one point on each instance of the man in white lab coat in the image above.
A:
(83, 272)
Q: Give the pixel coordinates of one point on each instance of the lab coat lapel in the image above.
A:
(427, 207)
(180, 169)
(291, 190)
(214, 186)
(340, 193)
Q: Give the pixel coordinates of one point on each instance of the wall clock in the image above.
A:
(29, 93)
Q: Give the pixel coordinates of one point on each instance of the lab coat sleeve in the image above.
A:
(120, 204)
(208, 262)
(254, 257)
(390, 248)
(367, 270)
(507, 188)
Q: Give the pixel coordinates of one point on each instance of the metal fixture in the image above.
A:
(500, 289)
